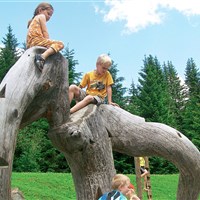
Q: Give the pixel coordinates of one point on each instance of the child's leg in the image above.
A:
(52, 47)
(74, 91)
(143, 171)
(145, 183)
(40, 58)
(87, 100)
(48, 43)
(47, 53)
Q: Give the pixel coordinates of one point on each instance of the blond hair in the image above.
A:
(41, 6)
(120, 180)
(104, 59)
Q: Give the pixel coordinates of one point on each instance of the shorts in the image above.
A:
(97, 100)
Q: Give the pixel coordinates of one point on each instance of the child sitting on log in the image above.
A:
(98, 85)
(38, 34)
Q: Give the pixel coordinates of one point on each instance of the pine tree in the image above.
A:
(177, 94)
(191, 125)
(132, 100)
(9, 53)
(74, 77)
(153, 95)
(154, 104)
(192, 78)
(118, 90)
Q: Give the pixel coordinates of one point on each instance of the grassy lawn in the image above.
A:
(45, 186)
(59, 186)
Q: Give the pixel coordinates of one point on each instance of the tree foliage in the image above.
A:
(153, 96)
(34, 151)
(118, 90)
(177, 94)
(191, 126)
(9, 53)
(132, 100)
(74, 77)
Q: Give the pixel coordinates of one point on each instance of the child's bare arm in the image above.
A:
(109, 94)
(43, 26)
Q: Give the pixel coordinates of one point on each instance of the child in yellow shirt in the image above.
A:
(98, 85)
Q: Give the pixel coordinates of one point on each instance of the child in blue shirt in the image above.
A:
(121, 189)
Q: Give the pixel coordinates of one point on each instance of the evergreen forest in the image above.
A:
(159, 96)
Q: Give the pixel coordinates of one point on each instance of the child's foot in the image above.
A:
(39, 62)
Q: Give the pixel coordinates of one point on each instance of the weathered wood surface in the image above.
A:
(89, 136)
(26, 95)
(92, 133)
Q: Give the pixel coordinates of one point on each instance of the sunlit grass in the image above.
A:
(59, 186)
(45, 186)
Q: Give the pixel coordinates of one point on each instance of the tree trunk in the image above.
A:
(26, 94)
(87, 137)
(85, 143)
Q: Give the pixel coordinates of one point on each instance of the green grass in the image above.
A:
(59, 186)
(163, 186)
(45, 186)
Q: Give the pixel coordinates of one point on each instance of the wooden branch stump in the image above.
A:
(26, 95)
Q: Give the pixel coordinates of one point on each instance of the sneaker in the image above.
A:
(39, 62)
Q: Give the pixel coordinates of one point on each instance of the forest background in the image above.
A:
(159, 96)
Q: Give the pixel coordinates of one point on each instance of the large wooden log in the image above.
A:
(155, 139)
(92, 133)
(26, 94)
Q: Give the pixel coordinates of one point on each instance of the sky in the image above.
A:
(128, 30)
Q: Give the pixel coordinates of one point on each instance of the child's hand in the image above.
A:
(131, 195)
(113, 104)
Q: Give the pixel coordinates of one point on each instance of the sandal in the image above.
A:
(39, 62)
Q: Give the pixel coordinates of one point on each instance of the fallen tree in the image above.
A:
(88, 137)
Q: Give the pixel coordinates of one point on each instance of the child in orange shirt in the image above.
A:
(38, 35)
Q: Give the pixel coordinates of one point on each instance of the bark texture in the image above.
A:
(26, 94)
(88, 137)
(92, 133)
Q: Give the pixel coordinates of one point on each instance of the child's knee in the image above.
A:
(74, 89)
(89, 99)
(61, 45)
